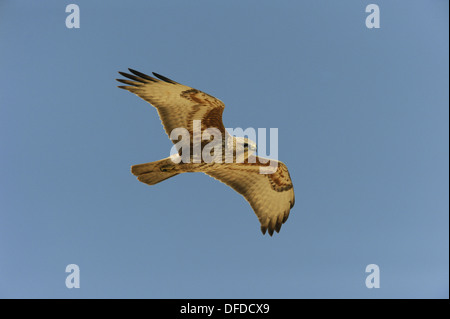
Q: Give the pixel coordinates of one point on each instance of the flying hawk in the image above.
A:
(270, 195)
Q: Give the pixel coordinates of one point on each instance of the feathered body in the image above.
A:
(271, 195)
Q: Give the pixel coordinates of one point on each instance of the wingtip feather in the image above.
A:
(132, 77)
(263, 230)
(142, 75)
(165, 79)
(128, 82)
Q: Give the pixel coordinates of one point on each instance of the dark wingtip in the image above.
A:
(132, 77)
(142, 75)
(278, 227)
(162, 77)
(128, 82)
(263, 230)
(286, 216)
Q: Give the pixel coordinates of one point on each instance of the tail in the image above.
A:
(154, 172)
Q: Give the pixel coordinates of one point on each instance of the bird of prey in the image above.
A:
(271, 195)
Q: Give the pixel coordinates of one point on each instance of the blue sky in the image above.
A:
(362, 117)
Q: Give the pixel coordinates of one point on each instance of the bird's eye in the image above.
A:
(245, 145)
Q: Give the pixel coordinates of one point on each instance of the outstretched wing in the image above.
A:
(270, 195)
(177, 104)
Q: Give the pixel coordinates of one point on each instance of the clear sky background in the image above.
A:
(363, 127)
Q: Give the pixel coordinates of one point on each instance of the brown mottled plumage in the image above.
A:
(270, 195)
